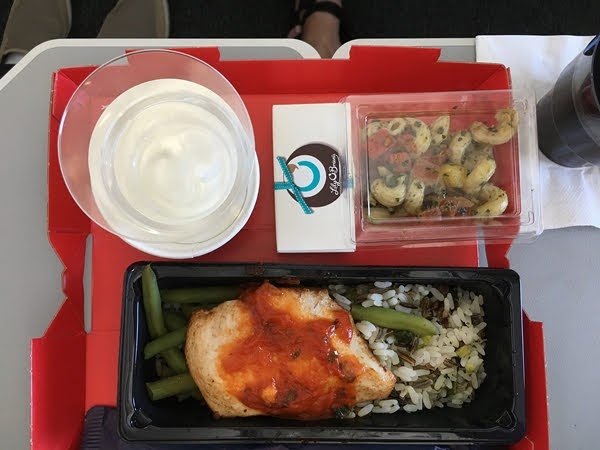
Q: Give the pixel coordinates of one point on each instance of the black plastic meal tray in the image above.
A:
(495, 416)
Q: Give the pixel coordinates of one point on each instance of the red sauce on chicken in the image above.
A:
(289, 365)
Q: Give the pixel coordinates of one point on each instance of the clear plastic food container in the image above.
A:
(445, 167)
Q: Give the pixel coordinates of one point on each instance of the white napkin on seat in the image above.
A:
(570, 197)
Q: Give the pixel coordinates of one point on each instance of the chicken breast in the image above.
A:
(290, 352)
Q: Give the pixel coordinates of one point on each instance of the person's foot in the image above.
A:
(137, 19)
(32, 22)
(321, 29)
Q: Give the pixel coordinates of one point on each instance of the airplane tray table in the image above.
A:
(38, 301)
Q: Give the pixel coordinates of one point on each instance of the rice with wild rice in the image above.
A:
(437, 371)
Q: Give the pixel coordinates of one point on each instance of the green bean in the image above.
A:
(170, 340)
(155, 321)
(169, 387)
(152, 303)
(396, 320)
(174, 320)
(162, 370)
(188, 308)
(204, 294)
(175, 360)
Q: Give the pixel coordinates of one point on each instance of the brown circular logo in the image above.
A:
(317, 172)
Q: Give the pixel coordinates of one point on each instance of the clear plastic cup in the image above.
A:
(157, 147)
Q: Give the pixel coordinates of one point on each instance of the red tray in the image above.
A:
(63, 389)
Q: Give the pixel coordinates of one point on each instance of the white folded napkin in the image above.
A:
(570, 197)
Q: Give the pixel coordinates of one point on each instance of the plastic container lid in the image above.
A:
(157, 147)
(444, 168)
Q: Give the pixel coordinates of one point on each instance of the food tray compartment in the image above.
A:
(496, 415)
(421, 179)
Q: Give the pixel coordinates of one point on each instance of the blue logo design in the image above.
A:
(316, 176)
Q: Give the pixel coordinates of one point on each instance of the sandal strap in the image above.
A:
(326, 6)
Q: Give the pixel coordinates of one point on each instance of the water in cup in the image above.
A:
(172, 162)
(173, 157)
